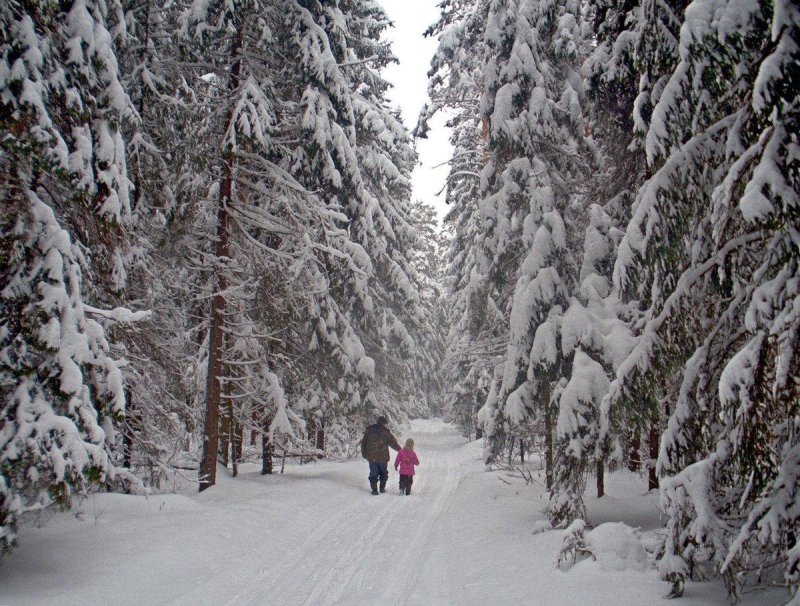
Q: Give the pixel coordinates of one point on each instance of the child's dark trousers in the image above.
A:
(405, 484)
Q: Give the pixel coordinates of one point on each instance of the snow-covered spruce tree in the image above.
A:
(471, 342)
(627, 71)
(600, 339)
(455, 87)
(404, 326)
(427, 260)
(229, 44)
(358, 156)
(163, 148)
(721, 314)
(537, 154)
(64, 196)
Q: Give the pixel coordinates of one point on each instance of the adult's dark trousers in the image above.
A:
(378, 472)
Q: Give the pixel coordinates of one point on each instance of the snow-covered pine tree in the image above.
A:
(64, 197)
(357, 154)
(601, 340)
(710, 239)
(537, 154)
(162, 151)
(387, 157)
(627, 71)
(732, 429)
(428, 265)
(230, 45)
(455, 88)
(471, 342)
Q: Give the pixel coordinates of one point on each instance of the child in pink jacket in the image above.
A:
(406, 459)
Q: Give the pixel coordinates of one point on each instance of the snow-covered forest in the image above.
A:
(212, 265)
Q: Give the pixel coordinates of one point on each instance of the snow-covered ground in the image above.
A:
(315, 535)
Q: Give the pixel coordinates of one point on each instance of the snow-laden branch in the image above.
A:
(119, 314)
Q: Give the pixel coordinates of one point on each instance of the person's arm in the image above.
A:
(364, 447)
(392, 442)
(396, 460)
(416, 459)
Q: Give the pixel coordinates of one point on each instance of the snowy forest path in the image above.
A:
(354, 548)
(314, 535)
(374, 554)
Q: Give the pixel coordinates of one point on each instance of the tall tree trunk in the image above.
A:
(521, 450)
(226, 417)
(320, 441)
(236, 443)
(128, 430)
(548, 443)
(548, 435)
(266, 454)
(655, 435)
(634, 451)
(208, 463)
(601, 478)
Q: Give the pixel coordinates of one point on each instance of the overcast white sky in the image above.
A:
(411, 18)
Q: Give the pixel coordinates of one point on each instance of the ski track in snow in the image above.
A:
(349, 563)
(354, 553)
(410, 564)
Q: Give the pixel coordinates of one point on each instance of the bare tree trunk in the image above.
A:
(601, 478)
(208, 463)
(226, 417)
(652, 478)
(128, 430)
(320, 441)
(521, 450)
(511, 450)
(634, 451)
(236, 443)
(548, 443)
(266, 454)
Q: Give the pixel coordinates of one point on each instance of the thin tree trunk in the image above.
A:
(634, 452)
(127, 434)
(320, 442)
(548, 443)
(266, 454)
(226, 417)
(521, 450)
(652, 478)
(208, 463)
(236, 443)
(601, 478)
(511, 450)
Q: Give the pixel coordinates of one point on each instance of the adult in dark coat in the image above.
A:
(375, 449)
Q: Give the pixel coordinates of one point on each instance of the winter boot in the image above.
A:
(374, 487)
(383, 486)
